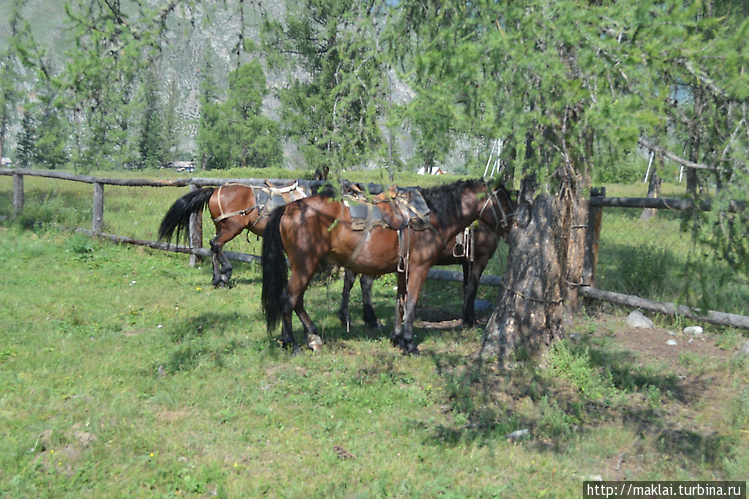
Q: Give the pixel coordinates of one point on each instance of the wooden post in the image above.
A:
(17, 194)
(593, 238)
(196, 233)
(98, 222)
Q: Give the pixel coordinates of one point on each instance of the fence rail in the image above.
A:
(598, 201)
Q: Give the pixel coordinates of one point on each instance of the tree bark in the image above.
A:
(544, 267)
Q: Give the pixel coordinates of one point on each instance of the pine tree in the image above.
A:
(332, 115)
(25, 151)
(235, 132)
(171, 123)
(114, 45)
(151, 142)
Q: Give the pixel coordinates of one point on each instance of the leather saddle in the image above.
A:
(268, 197)
(393, 207)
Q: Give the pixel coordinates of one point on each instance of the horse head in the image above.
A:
(498, 209)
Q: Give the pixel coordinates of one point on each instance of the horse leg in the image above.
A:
(311, 333)
(400, 301)
(470, 286)
(368, 313)
(473, 272)
(287, 330)
(349, 277)
(216, 255)
(221, 265)
(416, 278)
(293, 300)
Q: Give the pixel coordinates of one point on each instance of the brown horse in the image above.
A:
(234, 207)
(318, 227)
(472, 249)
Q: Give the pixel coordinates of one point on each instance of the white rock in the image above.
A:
(517, 435)
(693, 330)
(671, 342)
(636, 319)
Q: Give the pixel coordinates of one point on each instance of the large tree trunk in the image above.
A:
(544, 267)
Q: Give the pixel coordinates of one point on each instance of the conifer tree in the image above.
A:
(333, 110)
(569, 85)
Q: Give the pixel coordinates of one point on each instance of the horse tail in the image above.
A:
(275, 269)
(177, 219)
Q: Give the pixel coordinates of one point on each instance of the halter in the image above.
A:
(505, 216)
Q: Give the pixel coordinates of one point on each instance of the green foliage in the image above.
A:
(571, 87)
(26, 142)
(115, 46)
(631, 169)
(12, 62)
(150, 143)
(333, 114)
(235, 133)
(576, 368)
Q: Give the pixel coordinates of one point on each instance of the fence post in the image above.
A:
(17, 194)
(98, 222)
(196, 232)
(593, 238)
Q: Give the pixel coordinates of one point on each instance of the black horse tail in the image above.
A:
(177, 219)
(275, 269)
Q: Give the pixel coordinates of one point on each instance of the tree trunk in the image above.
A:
(544, 265)
(654, 189)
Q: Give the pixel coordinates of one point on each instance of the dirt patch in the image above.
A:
(652, 345)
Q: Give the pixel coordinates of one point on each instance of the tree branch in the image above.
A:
(673, 157)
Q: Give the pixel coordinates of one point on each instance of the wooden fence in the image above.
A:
(598, 201)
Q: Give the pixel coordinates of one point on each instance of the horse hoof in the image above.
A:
(411, 350)
(291, 347)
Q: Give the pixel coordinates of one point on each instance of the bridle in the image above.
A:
(493, 201)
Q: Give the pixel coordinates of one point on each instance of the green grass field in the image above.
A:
(124, 373)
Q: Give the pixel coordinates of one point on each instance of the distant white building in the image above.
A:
(435, 170)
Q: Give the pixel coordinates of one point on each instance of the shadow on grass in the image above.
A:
(489, 402)
(645, 270)
(210, 337)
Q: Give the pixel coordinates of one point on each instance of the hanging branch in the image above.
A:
(675, 158)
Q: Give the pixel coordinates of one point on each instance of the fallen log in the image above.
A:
(667, 308)
(176, 248)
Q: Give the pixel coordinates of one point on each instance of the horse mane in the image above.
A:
(445, 200)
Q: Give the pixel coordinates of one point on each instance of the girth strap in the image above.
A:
(243, 212)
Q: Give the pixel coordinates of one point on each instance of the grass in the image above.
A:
(122, 372)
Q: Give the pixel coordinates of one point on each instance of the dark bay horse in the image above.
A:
(318, 227)
(234, 207)
(472, 249)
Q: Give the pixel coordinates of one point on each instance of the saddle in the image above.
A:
(392, 207)
(268, 197)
